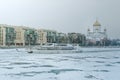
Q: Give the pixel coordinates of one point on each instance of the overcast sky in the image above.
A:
(63, 15)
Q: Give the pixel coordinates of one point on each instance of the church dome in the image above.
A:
(96, 23)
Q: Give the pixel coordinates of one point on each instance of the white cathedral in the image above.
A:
(97, 35)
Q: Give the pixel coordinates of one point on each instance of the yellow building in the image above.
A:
(2, 34)
(41, 36)
(20, 39)
(7, 35)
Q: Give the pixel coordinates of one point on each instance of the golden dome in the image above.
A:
(96, 23)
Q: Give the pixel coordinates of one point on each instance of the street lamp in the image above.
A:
(29, 37)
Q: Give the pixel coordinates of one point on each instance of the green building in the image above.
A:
(51, 36)
(7, 35)
(10, 36)
(30, 37)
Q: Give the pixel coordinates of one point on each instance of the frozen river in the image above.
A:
(77, 66)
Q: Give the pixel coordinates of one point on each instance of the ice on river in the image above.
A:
(103, 65)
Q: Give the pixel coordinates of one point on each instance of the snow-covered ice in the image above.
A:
(103, 65)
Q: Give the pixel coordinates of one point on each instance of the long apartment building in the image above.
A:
(22, 35)
(17, 35)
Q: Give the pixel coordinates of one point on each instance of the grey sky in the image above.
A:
(62, 15)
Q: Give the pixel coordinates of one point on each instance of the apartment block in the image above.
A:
(51, 35)
(30, 36)
(7, 35)
(41, 36)
(20, 38)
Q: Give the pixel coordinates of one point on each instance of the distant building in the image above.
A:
(97, 37)
(2, 35)
(51, 35)
(20, 38)
(41, 36)
(11, 35)
(7, 35)
(77, 38)
(62, 38)
(30, 35)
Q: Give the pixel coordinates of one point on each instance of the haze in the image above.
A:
(62, 15)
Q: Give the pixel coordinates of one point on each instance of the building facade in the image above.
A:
(20, 38)
(7, 35)
(97, 37)
(51, 35)
(2, 35)
(77, 38)
(42, 36)
(30, 36)
(62, 38)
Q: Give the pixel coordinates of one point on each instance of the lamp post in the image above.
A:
(29, 37)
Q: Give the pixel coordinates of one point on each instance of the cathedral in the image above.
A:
(96, 36)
